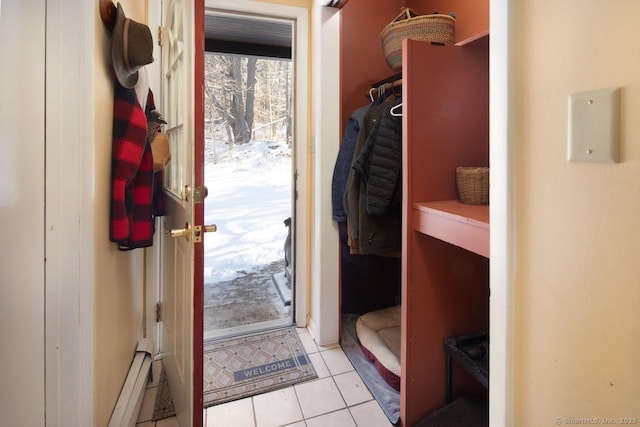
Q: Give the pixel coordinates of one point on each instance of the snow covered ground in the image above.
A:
(249, 199)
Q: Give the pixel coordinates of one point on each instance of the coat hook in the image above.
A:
(108, 12)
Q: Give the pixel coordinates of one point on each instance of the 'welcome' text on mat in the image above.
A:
(247, 365)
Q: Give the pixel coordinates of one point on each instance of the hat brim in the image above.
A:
(126, 77)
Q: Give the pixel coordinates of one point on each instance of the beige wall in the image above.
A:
(118, 275)
(577, 276)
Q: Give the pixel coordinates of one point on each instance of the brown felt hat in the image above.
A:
(131, 48)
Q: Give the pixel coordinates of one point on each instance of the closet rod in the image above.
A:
(384, 87)
(393, 84)
(389, 79)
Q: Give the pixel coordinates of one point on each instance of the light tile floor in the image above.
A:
(337, 398)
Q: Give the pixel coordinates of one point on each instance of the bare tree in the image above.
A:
(216, 105)
(288, 113)
(245, 95)
(238, 118)
(251, 93)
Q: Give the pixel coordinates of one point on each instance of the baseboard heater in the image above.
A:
(125, 413)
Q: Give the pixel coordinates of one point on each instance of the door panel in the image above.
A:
(176, 313)
(198, 173)
(178, 252)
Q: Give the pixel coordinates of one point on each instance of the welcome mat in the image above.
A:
(247, 365)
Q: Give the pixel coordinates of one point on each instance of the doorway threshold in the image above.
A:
(247, 329)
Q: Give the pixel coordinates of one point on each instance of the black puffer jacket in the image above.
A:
(380, 163)
(371, 234)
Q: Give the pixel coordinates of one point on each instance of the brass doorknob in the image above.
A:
(198, 229)
(179, 232)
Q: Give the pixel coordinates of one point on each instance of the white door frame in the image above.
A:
(324, 321)
(301, 150)
(502, 213)
(152, 254)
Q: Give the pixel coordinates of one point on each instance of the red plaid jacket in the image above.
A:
(137, 196)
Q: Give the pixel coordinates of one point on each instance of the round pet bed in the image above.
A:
(379, 336)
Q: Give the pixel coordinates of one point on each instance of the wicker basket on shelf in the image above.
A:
(473, 185)
(436, 28)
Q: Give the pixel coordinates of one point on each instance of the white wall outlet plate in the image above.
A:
(594, 126)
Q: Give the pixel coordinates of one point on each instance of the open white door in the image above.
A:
(183, 183)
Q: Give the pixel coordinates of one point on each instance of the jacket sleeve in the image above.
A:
(343, 164)
(129, 140)
(384, 183)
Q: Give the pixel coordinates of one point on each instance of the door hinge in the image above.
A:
(160, 41)
(158, 312)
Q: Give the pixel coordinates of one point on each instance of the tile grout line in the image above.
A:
(347, 406)
(253, 412)
(303, 419)
(295, 391)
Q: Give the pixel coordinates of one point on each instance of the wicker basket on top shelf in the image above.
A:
(473, 185)
(435, 28)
